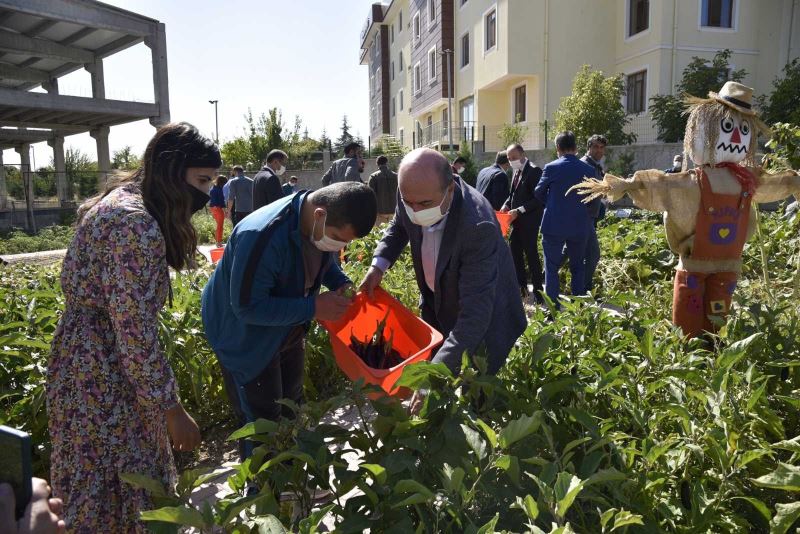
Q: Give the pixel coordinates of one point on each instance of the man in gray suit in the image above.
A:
(464, 269)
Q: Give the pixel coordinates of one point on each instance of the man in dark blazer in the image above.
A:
(462, 265)
(566, 219)
(493, 181)
(595, 151)
(267, 184)
(526, 216)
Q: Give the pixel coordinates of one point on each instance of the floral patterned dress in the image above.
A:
(108, 384)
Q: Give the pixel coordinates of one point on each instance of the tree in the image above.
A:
(273, 131)
(783, 104)
(594, 107)
(81, 173)
(124, 159)
(324, 140)
(699, 77)
(344, 139)
(262, 133)
(510, 134)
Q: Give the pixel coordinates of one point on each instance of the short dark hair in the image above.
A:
(350, 203)
(221, 180)
(382, 160)
(460, 159)
(565, 142)
(238, 168)
(276, 154)
(293, 178)
(596, 139)
(349, 147)
(501, 158)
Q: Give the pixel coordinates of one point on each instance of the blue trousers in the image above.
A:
(553, 246)
(592, 257)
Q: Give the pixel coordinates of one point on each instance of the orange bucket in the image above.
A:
(414, 339)
(216, 254)
(505, 222)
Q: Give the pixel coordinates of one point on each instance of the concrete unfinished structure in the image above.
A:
(42, 40)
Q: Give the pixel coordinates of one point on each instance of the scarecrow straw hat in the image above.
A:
(735, 96)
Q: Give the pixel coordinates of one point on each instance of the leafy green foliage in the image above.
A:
(510, 134)
(594, 107)
(124, 159)
(783, 104)
(699, 77)
(784, 147)
(600, 421)
(48, 238)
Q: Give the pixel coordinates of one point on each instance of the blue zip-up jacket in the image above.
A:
(256, 294)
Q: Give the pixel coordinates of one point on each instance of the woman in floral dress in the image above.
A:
(112, 399)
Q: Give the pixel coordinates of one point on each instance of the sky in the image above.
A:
(300, 56)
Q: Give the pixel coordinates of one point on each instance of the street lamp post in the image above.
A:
(449, 54)
(216, 118)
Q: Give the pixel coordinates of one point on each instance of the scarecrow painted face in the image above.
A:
(734, 133)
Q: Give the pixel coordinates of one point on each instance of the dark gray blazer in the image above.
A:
(476, 303)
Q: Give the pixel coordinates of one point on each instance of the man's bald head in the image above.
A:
(425, 165)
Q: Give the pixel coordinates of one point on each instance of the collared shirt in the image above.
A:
(516, 180)
(431, 244)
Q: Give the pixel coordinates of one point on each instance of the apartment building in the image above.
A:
(513, 60)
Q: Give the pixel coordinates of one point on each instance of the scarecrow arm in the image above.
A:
(774, 187)
(651, 189)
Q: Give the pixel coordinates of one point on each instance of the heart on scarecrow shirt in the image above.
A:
(722, 233)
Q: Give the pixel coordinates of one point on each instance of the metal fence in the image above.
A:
(644, 127)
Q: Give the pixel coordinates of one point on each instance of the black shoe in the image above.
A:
(523, 291)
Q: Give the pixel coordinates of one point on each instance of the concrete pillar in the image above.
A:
(24, 152)
(157, 43)
(51, 86)
(100, 136)
(98, 78)
(61, 169)
(3, 188)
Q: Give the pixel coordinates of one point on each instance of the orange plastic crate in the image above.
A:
(505, 222)
(216, 254)
(414, 339)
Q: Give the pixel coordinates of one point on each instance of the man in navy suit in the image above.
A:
(464, 270)
(566, 219)
(493, 181)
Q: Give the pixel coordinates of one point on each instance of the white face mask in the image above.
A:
(459, 169)
(516, 164)
(280, 170)
(326, 244)
(426, 217)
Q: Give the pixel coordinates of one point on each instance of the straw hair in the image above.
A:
(710, 112)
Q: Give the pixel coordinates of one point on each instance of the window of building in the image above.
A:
(400, 21)
(431, 13)
(392, 70)
(416, 28)
(377, 79)
(464, 50)
(400, 98)
(445, 122)
(636, 94)
(402, 132)
(432, 65)
(371, 83)
(394, 103)
(638, 16)
(717, 13)
(417, 78)
(490, 29)
(391, 33)
(467, 107)
(520, 104)
(462, 2)
(400, 61)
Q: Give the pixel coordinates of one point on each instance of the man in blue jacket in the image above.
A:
(566, 219)
(265, 291)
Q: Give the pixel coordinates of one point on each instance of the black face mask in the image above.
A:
(199, 199)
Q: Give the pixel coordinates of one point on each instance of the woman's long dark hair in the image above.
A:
(174, 148)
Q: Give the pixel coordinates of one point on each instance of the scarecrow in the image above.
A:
(707, 210)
